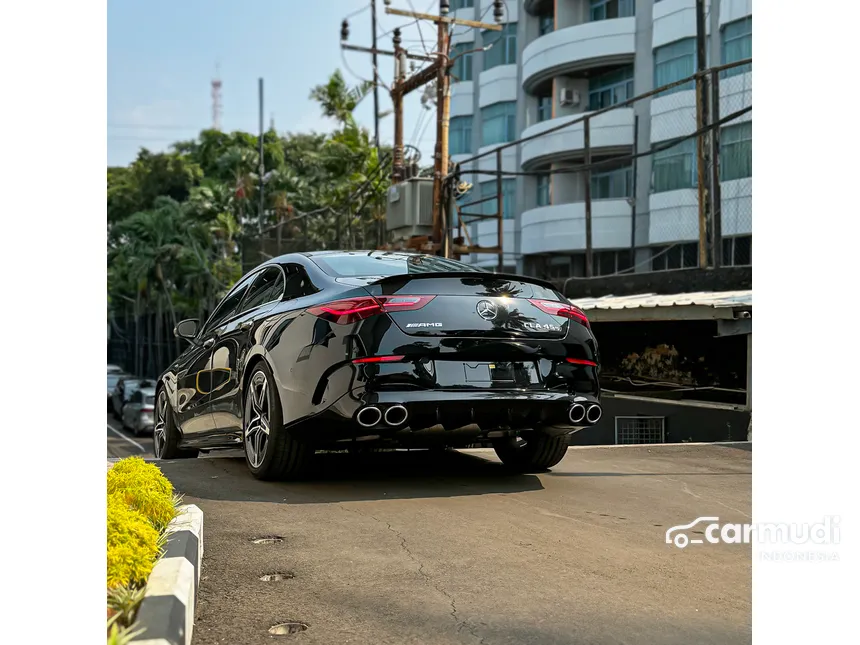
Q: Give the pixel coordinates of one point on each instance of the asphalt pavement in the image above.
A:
(410, 547)
(122, 443)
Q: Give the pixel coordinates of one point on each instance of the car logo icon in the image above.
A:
(487, 310)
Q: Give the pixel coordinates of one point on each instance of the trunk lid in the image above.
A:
(472, 305)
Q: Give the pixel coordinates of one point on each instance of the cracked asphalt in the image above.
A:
(410, 547)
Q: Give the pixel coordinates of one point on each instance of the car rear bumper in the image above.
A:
(438, 412)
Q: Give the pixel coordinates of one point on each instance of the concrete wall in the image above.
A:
(683, 422)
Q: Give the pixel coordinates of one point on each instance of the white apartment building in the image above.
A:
(556, 60)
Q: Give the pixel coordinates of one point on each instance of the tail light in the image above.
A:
(378, 359)
(562, 309)
(351, 310)
(581, 361)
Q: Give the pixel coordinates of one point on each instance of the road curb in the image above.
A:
(166, 614)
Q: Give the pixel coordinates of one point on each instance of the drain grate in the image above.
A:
(288, 628)
(267, 539)
(275, 577)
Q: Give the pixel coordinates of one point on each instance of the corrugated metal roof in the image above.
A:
(713, 300)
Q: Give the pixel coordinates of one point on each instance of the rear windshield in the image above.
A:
(348, 265)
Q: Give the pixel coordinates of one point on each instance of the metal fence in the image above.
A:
(142, 347)
(661, 180)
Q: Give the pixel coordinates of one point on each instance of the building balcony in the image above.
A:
(675, 19)
(488, 236)
(674, 115)
(675, 213)
(731, 10)
(462, 98)
(612, 132)
(488, 161)
(498, 84)
(572, 49)
(561, 227)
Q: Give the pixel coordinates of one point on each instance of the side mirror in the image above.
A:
(186, 329)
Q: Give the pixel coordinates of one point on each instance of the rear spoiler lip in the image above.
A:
(464, 274)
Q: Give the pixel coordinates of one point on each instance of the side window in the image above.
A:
(136, 397)
(268, 286)
(229, 305)
(298, 282)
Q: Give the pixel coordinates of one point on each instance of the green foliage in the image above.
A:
(132, 545)
(118, 634)
(177, 220)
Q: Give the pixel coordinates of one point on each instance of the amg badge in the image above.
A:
(424, 324)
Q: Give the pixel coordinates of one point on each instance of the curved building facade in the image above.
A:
(556, 62)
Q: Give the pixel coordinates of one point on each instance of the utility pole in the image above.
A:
(375, 76)
(438, 70)
(701, 141)
(262, 169)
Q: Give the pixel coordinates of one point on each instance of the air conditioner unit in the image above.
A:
(568, 96)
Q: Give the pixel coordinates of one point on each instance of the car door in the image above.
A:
(235, 339)
(194, 376)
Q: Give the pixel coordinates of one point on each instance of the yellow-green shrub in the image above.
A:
(132, 544)
(144, 488)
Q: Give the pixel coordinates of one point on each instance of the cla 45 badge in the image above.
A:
(541, 327)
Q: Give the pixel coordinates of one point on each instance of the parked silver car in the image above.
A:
(138, 413)
(125, 387)
(112, 379)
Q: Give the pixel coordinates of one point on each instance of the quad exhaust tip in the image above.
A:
(369, 416)
(396, 415)
(594, 413)
(576, 413)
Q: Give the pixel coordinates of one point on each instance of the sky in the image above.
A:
(162, 57)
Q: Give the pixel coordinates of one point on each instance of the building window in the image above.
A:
(674, 168)
(498, 123)
(543, 190)
(462, 4)
(675, 256)
(737, 45)
(546, 25)
(610, 88)
(612, 184)
(461, 70)
(544, 111)
(610, 262)
(489, 189)
(736, 151)
(504, 46)
(737, 251)
(460, 135)
(674, 62)
(607, 9)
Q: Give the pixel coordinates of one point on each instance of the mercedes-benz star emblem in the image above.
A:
(487, 310)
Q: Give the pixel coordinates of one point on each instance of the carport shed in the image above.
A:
(697, 321)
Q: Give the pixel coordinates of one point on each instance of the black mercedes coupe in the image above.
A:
(339, 350)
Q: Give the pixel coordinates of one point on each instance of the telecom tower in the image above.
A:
(216, 99)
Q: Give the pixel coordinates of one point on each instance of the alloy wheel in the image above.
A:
(257, 420)
(159, 433)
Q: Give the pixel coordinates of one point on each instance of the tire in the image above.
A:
(164, 444)
(539, 452)
(273, 454)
